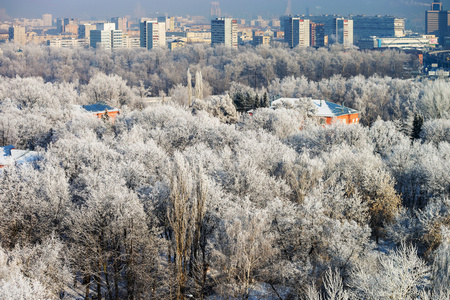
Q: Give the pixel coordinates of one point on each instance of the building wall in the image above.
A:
(111, 115)
(131, 41)
(262, 40)
(346, 119)
(71, 28)
(65, 43)
(317, 35)
(116, 39)
(432, 22)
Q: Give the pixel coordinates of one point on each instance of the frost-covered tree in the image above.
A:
(35, 272)
(398, 274)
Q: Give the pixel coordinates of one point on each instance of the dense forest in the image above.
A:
(191, 199)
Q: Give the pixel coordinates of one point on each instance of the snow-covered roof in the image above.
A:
(323, 108)
(6, 150)
(11, 156)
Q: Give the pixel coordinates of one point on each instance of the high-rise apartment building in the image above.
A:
(215, 10)
(47, 20)
(296, 32)
(62, 22)
(224, 31)
(170, 22)
(317, 35)
(17, 35)
(343, 32)
(121, 23)
(152, 34)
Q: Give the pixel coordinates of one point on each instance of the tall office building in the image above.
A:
(224, 31)
(60, 25)
(343, 32)
(152, 34)
(432, 19)
(296, 32)
(317, 35)
(437, 22)
(121, 23)
(214, 10)
(17, 35)
(381, 26)
(84, 30)
(47, 20)
(106, 37)
(100, 39)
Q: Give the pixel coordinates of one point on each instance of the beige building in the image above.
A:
(130, 41)
(71, 29)
(178, 43)
(17, 35)
(65, 43)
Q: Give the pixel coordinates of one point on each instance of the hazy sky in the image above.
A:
(236, 8)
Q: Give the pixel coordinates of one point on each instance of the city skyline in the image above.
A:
(239, 9)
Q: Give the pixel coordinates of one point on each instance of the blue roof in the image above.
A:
(7, 150)
(98, 107)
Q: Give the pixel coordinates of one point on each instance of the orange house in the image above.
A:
(102, 110)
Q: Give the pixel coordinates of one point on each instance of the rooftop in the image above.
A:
(10, 156)
(323, 108)
(99, 108)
